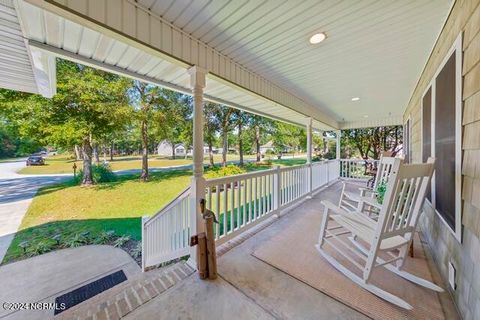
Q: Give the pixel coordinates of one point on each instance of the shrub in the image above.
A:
(40, 248)
(137, 250)
(270, 152)
(104, 237)
(230, 170)
(76, 241)
(100, 173)
(119, 242)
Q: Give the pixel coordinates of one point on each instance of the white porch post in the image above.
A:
(339, 135)
(309, 158)
(197, 191)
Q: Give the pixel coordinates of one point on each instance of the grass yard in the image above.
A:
(64, 163)
(69, 210)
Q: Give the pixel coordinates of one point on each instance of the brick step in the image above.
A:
(122, 299)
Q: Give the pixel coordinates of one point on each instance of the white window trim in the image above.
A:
(432, 134)
(457, 48)
(408, 137)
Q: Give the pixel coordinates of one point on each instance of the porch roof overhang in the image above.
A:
(251, 64)
(22, 68)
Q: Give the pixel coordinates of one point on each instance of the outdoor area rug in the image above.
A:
(293, 252)
(89, 290)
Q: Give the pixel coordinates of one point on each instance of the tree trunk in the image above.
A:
(144, 175)
(78, 152)
(240, 143)
(95, 153)
(173, 151)
(111, 151)
(210, 153)
(225, 147)
(104, 153)
(87, 179)
(257, 143)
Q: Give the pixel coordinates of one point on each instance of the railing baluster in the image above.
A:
(232, 210)
(225, 209)
(250, 202)
(218, 212)
(244, 211)
(239, 204)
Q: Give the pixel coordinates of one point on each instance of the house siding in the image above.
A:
(464, 17)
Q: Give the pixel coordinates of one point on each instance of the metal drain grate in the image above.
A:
(89, 290)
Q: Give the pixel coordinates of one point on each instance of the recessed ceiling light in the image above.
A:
(365, 116)
(355, 98)
(317, 38)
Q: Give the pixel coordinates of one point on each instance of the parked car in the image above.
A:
(35, 161)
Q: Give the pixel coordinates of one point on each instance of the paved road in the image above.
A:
(16, 194)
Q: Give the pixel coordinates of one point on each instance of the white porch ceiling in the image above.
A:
(57, 36)
(374, 50)
(20, 68)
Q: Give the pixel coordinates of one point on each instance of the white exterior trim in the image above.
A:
(369, 123)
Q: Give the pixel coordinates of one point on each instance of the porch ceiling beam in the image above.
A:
(369, 123)
(67, 55)
(129, 22)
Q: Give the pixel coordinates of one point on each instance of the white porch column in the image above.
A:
(197, 83)
(309, 158)
(339, 135)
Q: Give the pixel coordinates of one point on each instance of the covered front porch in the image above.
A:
(257, 281)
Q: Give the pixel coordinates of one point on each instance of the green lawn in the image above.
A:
(69, 209)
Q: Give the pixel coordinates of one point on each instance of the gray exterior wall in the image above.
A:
(465, 256)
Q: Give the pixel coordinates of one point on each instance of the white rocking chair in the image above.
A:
(350, 202)
(391, 234)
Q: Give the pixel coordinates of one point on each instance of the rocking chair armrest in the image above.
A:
(357, 215)
(330, 206)
(371, 202)
(364, 191)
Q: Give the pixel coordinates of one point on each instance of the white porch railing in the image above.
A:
(166, 235)
(239, 202)
(356, 169)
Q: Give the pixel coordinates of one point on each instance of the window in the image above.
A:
(441, 137)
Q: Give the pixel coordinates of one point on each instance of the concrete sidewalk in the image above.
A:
(44, 277)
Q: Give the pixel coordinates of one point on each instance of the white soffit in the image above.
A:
(374, 50)
(20, 68)
(56, 36)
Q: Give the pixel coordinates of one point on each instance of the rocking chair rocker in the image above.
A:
(390, 235)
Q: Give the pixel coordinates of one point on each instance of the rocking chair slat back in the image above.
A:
(384, 169)
(404, 198)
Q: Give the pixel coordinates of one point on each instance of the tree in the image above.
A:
(146, 99)
(89, 105)
(210, 128)
(225, 124)
(240, 118)
(370, 142)
(287, 136)
(259, 127)
(176, 110)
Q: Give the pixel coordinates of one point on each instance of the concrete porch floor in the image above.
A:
(248, 288)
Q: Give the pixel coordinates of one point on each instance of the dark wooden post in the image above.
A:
(202, 256)
(209, 217)
(211, 252)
